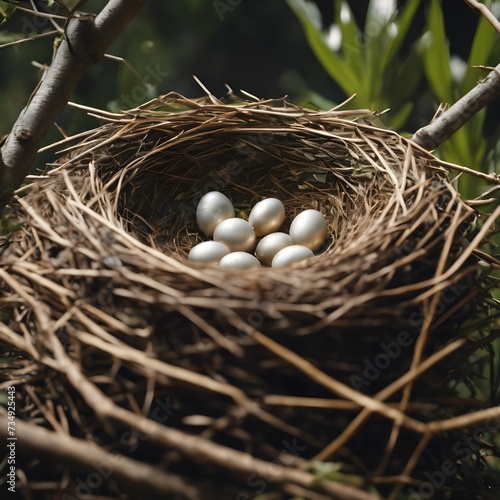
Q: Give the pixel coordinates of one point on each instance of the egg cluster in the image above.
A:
(234, 239)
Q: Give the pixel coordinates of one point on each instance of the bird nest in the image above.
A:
(358, 374)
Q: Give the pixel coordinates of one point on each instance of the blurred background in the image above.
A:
(407, 55)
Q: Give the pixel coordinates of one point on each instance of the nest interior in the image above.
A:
(357, 358)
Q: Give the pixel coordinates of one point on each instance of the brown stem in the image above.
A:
(485, 12)
(88, 458)
(89, 37)
(434, 134)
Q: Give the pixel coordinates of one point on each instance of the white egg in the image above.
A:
(208, 252)
(291, 255)
(270, 245)
(267, 216)
(309, 228)
(212, 209)
(239, 260)
(237, 234)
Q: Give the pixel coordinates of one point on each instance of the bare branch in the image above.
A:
(485, 12)
(85, 456)
(434, 134)
(89, 38)
(28, 39)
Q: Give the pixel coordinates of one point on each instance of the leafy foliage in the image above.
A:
(368, 62)
(372, 64)
(6, 11)
(450, 79)
(8, 224)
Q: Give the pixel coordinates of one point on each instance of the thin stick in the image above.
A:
(467, 420)
(329, 382)
(29, 39)
(86, 457)
(485, 12)
(365, 414)
(197, 448)
(437, 132)
(412, 462)
(89, 39)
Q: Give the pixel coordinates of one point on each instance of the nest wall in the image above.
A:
(102, 305)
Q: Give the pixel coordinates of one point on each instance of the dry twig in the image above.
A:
(89, 39)
(485, 12)
(84, 456)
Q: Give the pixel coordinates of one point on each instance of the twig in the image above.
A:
(85, 456)
(466, 420)
(410, 465)
(30, 39)
(485, 12)
(391, 389)
(492, 178)
(434, 134)
(195, 447)
(89, 39)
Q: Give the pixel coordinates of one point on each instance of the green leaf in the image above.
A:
(474, 129)
(482, 46)
(436, 55)
(6, 37)
(378, 14)
(332, 471)
(310, 18)
(403, 79)
(399, 116)
(352, 42)
(467, 145)
(317, 101)
(307, 11)
(373, 80)
(6, 11)
(402, 24)
(492, 158)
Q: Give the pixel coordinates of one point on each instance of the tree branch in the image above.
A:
(434, 134)
(485, 12)
(87, 457)
(89, 38)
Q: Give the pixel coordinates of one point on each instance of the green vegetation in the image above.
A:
(391, 59)
(367, 62)
(373, 63)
